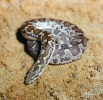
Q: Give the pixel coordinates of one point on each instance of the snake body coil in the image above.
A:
(61, 42)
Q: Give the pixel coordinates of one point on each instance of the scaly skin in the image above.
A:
(61, 42)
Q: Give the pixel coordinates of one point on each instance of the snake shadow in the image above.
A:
(21, 39)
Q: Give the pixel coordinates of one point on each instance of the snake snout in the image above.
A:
(30, 78)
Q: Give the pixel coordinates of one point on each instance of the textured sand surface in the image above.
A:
(80, 80)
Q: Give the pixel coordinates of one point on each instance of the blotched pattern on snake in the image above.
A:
(52, 41)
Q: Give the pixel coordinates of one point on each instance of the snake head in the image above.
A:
(31, 76)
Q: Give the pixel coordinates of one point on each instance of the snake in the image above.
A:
(52, 41)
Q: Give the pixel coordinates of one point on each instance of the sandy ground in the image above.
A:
(79, 80)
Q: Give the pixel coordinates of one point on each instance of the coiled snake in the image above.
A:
(52, 41)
